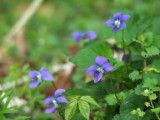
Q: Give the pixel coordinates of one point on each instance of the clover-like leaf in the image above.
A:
(147, 104)
(151, 51)
(153, 96)
(135, 75)
(151, 83)
(111, 99)
(138, 112)
(156, 110)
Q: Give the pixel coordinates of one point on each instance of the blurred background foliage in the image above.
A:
(48, 38)
(48, 32)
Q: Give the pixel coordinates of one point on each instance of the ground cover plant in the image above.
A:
(107, 87)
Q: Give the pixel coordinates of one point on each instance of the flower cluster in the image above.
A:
(78, 36)
(102, 65)
(118, 22)
(55, 101)
(44, 74)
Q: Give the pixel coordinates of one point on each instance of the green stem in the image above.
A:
(124, 51)
(142, 75)
(114, 90)
(144, 64)
(54, 85)
(138, 117)
(153, 107)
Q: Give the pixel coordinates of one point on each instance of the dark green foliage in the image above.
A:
(142, 74)
(130, 103)
(87, 55)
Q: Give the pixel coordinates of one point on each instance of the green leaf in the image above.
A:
(111, 99)
(84, 108)
(132, 102)
(135, 75)
(140, 112)
(153, 22)
(78, 116)
(145, 39)
(133, 112)
(156, 41)
(70, 110)
(147, 104)
(99, 115)
(77, 91)
(148, 38)
(156, 64)
(90, 100)
(8, 111)
(8, 93)
(156, 110)
(147, 116)
(139, 90)
(8, 101)
(99, 89)
(151, 75)
(151, 83)
(122, 95)
(86, 57)
(1, 92)
(151, 51)
(153, 96)
(144, 53)
(117, 117)
(21, 118)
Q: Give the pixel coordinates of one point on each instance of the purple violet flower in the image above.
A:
(91, 35)
(78, 36)
(118, 22)
(44, 74)
(55, 101)
(103, 65)
(127, 58)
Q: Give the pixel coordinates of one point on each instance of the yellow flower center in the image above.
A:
(117, 23)
(55, 103)
(100, 69)
(39, 76)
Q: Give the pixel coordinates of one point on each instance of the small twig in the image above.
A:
(23, 20)
(54, 85)
(144, 64)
